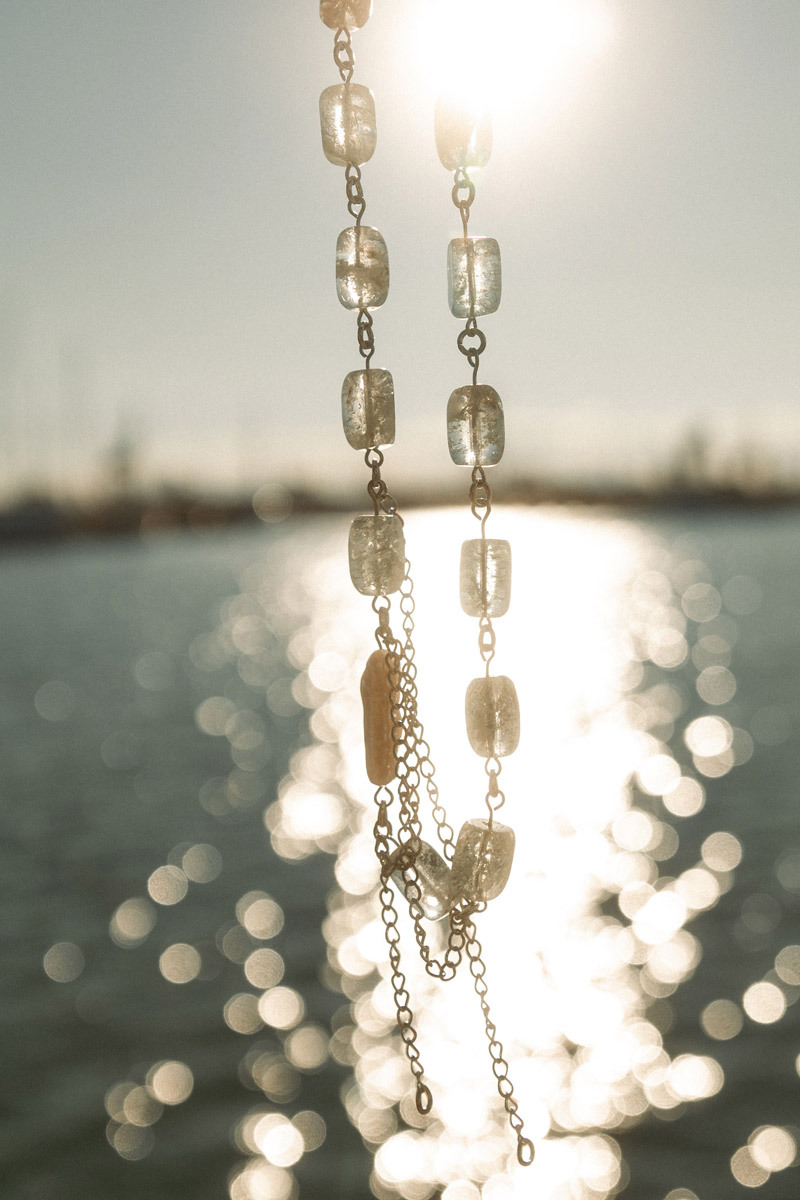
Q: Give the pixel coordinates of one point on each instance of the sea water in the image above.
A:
(191, 995)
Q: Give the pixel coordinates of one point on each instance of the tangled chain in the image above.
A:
(413, 765)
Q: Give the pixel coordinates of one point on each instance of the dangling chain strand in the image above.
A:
(471, 343)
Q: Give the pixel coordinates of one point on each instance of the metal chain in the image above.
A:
(356, 204)
(414, 767)
(366, 337)
(480, 497)
(477, 967)
(410, 749)
(463, 183)
(343, 54)
(472, 352)
(377, 490)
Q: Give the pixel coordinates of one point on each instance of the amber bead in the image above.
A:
(376, 697)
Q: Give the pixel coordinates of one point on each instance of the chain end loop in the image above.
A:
(423, 1098)
(526, 1151)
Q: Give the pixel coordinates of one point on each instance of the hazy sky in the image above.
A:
(169, 224)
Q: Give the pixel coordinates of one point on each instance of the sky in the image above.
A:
(169, 224)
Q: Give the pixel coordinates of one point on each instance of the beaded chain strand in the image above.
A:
(456, 884)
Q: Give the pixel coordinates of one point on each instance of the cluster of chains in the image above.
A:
(453, 883)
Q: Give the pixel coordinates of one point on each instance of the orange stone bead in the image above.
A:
(376, 696)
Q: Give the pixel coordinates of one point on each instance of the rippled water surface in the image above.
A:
(194, 995)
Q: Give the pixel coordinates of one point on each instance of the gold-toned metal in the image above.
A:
(525, 1147)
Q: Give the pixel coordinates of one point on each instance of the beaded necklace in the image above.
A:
(452, 885)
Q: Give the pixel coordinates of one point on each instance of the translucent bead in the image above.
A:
(362, 267)
(492, 711)
(376, 697)
(347, 121)
(485, 577)
(475, 426)
(482, 861)
(463, 133)
(473, 276)
(368, 408)
(345, 14)
(434, 879)
(377, 551)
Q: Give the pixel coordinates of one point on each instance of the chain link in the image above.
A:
(472, 352)
(463, 183)
(343, 54)
(356, 204)
(377, 490)
(480, 497)
(366, 336)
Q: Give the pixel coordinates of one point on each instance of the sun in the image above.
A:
(508, 54)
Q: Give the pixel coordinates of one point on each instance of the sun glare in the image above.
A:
(508, 53)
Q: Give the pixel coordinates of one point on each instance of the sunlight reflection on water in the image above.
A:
(607, 633)
(589, 939)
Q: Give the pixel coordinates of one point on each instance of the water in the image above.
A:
(157, 697)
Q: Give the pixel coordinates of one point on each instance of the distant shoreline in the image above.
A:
(40, 519)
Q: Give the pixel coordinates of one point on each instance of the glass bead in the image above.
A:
(347, 122)
(362, 267)
(368, 408)
(473, 276)
(475, 426)
(433, 878)
(482, 861)
(492, 711)
(376, 697)
(345, 14)
(463, 131)
(485, 577)
(377, 552)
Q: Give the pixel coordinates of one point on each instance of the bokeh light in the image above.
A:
(167, 885)
(64, 962)
(722, 1020)
(170, 1082)
(764, 1002)
(180, 963)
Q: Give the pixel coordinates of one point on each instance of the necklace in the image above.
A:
(453, 886)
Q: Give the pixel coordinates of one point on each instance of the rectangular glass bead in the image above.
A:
(377, 552)
(485, 577)
(362, 267)
(463, 131)
(492, 711)
(482, 861)
(345, 14)
(347, 123)
(368, 408)
(475, 426)
(473, 276)
(433, 880)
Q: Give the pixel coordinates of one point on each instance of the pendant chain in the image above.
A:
(380, 568)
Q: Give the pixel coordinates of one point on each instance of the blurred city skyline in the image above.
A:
(170, 223)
